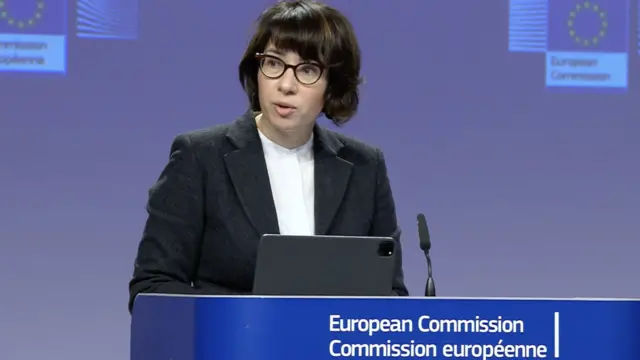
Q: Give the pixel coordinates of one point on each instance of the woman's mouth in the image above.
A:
(284, 110)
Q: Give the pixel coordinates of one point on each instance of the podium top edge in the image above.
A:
(395, 298)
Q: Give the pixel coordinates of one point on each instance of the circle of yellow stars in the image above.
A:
(581, 8)
(5, 16)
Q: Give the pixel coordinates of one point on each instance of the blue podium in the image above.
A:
(173, 327)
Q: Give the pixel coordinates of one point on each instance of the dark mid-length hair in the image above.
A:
(316, 32)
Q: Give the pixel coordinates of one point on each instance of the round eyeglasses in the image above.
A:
(273, 67)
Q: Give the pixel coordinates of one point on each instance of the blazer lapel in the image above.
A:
(248, 171)
(332, 175)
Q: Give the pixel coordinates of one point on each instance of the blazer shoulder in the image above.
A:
(357, 150)
(204, 137)
(203, 145)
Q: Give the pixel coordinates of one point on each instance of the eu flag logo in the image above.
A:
(599, 25)
(42, 17)
(33, 35)
(587, 43)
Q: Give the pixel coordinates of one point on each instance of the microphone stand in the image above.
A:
(430, 288)
(425, 245)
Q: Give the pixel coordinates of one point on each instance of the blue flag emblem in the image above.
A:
(32, 17)
(587, 43)
(33, 35)
(600, 26)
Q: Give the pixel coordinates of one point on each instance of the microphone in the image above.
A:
(425, 245)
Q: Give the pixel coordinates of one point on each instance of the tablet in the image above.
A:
(290, 265)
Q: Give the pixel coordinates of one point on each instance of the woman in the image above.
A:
(273, 169)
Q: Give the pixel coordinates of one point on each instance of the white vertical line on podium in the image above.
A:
(556, 334)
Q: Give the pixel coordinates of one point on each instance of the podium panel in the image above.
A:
(315, 328)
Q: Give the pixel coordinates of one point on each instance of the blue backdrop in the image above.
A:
(513, 125)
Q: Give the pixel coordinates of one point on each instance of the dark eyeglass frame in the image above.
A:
(261, 56)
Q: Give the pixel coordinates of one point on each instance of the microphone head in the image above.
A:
(423, 233)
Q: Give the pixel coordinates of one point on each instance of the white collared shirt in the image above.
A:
(291, 174)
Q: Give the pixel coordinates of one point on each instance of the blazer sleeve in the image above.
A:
(169, 251)
(385, 221)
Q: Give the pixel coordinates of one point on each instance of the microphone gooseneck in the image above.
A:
(425, 245)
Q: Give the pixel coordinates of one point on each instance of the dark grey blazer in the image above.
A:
(213, 201)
